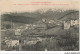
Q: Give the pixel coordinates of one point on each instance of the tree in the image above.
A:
(69, 41)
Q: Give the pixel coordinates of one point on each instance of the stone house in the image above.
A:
(74, 22)
(12, 43)
(66, 24)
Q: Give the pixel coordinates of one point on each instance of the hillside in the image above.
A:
(20, 19)
(36, 16)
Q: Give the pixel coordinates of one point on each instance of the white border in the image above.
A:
(79, 25)
(37, 52)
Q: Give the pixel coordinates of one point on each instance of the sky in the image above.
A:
(9, 5)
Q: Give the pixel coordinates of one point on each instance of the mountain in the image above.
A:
(70, 16)
(31, 17)
(17, 19)
(35, 17)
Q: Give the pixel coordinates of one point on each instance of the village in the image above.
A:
(31, 34)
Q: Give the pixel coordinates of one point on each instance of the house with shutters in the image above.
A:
(74, 22)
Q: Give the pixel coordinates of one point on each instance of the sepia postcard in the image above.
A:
(39, 25)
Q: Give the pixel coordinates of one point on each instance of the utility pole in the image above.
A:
(18, 34)
(20, 44)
